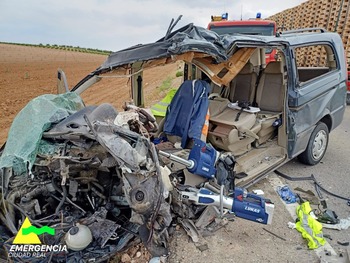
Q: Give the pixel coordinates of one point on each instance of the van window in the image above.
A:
(314, 61)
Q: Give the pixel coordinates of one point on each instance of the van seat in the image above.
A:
(270, 98)
(227, 133)
(242, 87)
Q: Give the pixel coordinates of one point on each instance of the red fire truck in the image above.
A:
(256, 26)
(348, 92)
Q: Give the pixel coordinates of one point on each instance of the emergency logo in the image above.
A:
(27, 243)
(28, 234)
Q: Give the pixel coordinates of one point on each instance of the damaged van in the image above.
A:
(120, 177)
(263, 114)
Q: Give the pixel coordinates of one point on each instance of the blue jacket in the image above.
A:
(186, 113)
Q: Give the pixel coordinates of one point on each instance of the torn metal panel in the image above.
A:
(191, 230)
(103, 230)
(188, 38)
(224, 72)
(207, 217)
(117, 142)
(187, 44)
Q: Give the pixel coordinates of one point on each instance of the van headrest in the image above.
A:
(247, 69)
(274, 67)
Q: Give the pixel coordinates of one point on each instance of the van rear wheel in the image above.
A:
(317, 145)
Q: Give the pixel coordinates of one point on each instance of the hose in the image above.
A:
(98, 186)
(11, 197)
(161, 190)
(24, 213)
(64, 196)
(311, 178)
(67, 199)
(99, 194)
(9, 212)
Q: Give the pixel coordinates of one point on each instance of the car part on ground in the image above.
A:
(317, 184)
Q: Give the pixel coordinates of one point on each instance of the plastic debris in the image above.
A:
(343, 224)
(155, 260)
(287, 194)
(291, 225)
(328, 217)
(258, 192)
(343, 243)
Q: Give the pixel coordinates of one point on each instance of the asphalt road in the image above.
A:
(333, 173)
(245, 241)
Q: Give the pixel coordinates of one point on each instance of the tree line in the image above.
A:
(65, 47)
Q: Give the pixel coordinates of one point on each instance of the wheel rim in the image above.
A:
(320, 144)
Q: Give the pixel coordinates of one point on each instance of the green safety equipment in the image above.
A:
(309, 227)
(159, 109)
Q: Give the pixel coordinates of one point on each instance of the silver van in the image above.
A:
(288, 109)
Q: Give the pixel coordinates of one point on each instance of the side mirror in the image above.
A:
(62, 85)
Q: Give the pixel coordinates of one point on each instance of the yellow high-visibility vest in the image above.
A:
(309, 227)
(159, 109)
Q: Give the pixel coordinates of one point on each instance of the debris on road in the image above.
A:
(328, 217)
(270, 232)
(287, 194)
(343, 243)
(342, 225)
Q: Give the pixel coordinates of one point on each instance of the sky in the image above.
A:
(116, 24)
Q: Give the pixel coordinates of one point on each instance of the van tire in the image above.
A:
(317, 146)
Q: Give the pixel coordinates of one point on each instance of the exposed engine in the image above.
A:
(96, 183)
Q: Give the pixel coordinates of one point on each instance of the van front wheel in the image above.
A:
(317, 146)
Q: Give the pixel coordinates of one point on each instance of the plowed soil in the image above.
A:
(27, 72)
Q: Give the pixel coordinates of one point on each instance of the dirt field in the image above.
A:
(27, 72)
